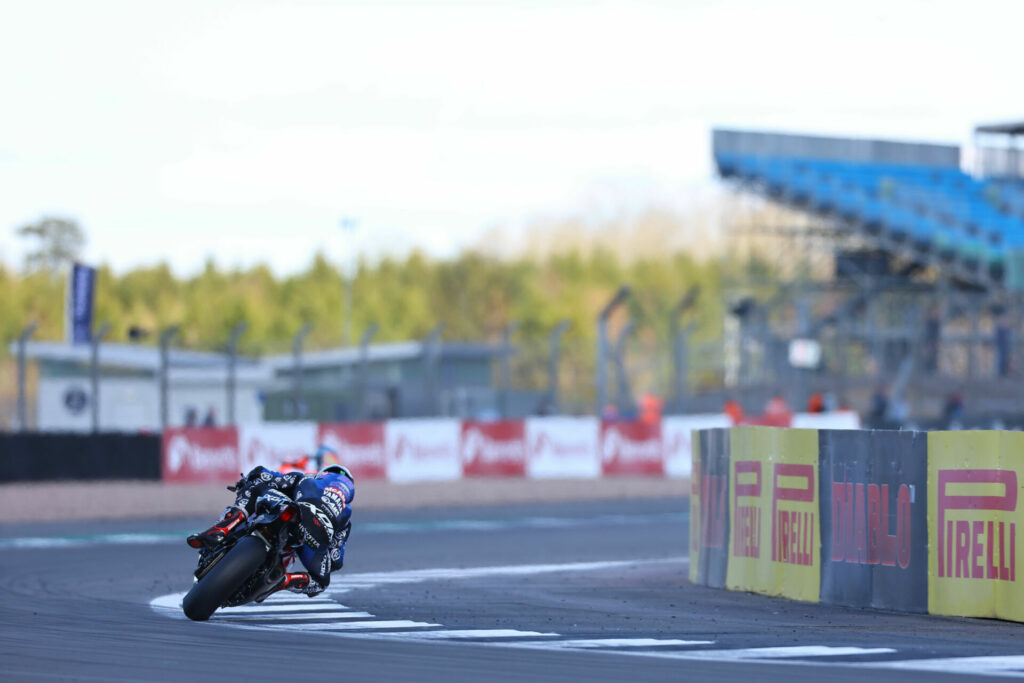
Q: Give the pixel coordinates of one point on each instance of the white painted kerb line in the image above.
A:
(355, 625)
(448, 634)
(592, 643)
(267, 609)
(327, 616)
(764, 654)
(993, 666)
(281, 617)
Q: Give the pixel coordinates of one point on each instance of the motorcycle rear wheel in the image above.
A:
(224, 578)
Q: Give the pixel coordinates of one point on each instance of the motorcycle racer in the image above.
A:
(324, 502)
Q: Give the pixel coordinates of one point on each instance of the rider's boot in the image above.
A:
(213, 536)
(297, 582)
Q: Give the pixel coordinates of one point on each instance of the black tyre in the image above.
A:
(224, 578)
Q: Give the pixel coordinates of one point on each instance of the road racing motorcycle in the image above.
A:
(248, 565)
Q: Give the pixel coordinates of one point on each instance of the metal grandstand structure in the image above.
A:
(904, 269)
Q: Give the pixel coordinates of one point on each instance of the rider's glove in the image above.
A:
(247, 480)
(271, 500)
(240, 484)
(256, 474)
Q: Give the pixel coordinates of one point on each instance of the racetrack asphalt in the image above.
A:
(596, 574)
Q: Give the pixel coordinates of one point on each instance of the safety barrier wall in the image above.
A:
(910, 521)
(399, 450)
(974, 518)
(443, 449)
(50, 456)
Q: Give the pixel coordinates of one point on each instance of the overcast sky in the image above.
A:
(250, 130)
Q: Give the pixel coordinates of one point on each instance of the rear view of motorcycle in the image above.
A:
(248, 565)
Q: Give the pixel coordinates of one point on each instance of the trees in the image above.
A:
(58, 241)
(474, 294)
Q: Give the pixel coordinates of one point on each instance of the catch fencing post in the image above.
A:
(506, 380)
(232, 359)
(22, 400)
(602, 344)
(297, 398)
(165, 341)
(95, 341)
(431, 352)
(553, 362)
(364, 362)
(680, 352)
(623, 393)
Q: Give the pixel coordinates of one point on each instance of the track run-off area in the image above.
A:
(592, 590)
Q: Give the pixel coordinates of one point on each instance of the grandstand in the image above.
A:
(927, 249)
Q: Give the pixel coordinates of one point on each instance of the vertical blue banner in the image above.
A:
(81, 292)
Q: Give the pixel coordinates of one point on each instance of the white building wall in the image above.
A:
(133, 404)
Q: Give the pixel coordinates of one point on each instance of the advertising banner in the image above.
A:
(974, 521)
(422, 450)
(709, 508)
(562, 447)
(675, 439)
(200, 454)
(81, 293)
(874, 544)
(360, 447)
(493, 449)
(631, 448)
(775, 544)
(273, 444)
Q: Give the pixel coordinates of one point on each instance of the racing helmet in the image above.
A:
(337, 469)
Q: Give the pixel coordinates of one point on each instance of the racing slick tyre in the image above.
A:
(224, 578)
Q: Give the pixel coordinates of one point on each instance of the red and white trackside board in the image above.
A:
(562, 447)
(422, 450)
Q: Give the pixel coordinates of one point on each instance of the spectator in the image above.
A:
(953, 411)
(830, 403)
(650, 409)
(210, 420)
(932, 334)
(898, 412)
(191, 417)
(1004, 346)
(816, 403)
(879, 406)
(734, 410)
(776, 406)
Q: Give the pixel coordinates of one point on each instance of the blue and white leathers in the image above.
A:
(330, 496)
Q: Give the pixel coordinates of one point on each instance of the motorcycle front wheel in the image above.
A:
(224, 578)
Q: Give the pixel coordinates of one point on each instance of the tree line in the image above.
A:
(474, 296)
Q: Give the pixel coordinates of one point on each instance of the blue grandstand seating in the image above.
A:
(975, 224)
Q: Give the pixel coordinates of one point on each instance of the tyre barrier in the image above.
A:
(908, 521)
